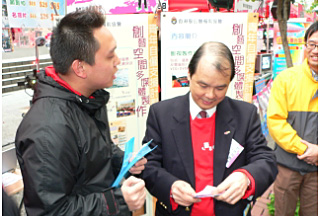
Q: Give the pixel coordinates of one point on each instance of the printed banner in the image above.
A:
(183, 33)
(34, 13)
(136, 83)
(114, 7)
(261, 100)
(295, 37)
(251, 51)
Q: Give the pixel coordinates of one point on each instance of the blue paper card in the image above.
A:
(126, 165)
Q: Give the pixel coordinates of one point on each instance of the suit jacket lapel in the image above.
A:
(182, 136)
(223, 137)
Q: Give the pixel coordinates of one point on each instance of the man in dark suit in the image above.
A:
(224, 149)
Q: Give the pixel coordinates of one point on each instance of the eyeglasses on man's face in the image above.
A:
(311, 46)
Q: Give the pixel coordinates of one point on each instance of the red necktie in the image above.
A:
(203, 114)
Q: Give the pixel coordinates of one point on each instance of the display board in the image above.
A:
(34, 13)
(261, 101)
(183, 33)
(136, 83)
(295, 37)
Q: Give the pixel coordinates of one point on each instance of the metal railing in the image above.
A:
(14, 72)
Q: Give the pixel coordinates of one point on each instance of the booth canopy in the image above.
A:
(181, 5)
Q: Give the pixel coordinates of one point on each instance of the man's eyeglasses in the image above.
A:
(311, 46)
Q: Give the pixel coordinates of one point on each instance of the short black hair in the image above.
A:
(73, 39)
(220, 53)
(311, 30)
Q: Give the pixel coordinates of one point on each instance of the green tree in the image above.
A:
(283, 14)
(309, 6)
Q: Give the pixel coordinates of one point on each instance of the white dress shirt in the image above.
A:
(195, 109)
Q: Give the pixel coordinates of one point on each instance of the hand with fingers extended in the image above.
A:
(233, 188)
(183, 193)
(310, 156)
(134, 192)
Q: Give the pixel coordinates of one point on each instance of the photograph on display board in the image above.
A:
(122, 78)
(123, 75)
(180, 81)
(118, 133)
(125, 108)
(179, 62)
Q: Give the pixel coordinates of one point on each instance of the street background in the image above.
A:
(15, 103)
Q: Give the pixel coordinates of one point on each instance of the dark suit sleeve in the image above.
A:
(158, 180)
(260, 159)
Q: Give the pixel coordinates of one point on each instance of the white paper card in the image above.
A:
(208, 191)
(235, 150)
(9, 178)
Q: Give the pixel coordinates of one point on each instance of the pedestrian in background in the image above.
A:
(292, 118)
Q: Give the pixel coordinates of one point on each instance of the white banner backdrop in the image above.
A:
(136, 83)
(183, 33)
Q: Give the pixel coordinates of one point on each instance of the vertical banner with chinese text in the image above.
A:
(250, 57)
(136, 83)
(183, 33)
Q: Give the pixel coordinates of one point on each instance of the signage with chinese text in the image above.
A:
(34, 13)
(183, 33)
(136, 85)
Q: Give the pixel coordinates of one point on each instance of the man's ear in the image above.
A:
(79, 68)
(189, 77)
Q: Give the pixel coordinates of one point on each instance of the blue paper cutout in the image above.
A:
(127, 154)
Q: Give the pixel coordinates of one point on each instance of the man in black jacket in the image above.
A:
(67, 158)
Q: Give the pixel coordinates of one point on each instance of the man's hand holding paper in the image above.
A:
(233, 188)
(208, 191)
(183, 194)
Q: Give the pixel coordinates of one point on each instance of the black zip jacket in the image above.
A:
(66, 155)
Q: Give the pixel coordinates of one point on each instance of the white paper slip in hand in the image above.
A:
(235, 150)
(208, 191)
